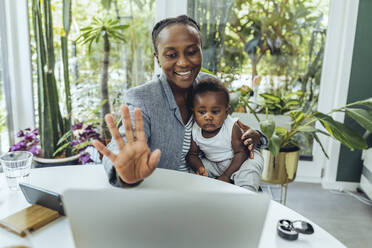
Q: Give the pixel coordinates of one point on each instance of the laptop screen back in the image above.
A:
(160, 219)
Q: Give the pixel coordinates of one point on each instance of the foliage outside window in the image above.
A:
(278, 43)
(130, 59)
(273, 47)
(131, 62)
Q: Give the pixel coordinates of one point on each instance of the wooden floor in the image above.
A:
(340, 214)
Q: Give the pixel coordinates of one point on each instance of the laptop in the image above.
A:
(139, 218)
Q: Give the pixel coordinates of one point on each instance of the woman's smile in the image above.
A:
(184, 75)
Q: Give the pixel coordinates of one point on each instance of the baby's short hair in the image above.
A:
(209, 84)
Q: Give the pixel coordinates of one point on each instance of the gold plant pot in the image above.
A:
(280, 169)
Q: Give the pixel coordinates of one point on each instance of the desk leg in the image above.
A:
(285, 194)
(281, 194)
(283, 198)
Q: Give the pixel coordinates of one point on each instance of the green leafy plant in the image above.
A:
(303, 124)
(52, 125)
(107, 29)
(280, 105)
(271, 27)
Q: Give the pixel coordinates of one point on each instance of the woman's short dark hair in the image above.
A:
(208, 85)
(182, 19)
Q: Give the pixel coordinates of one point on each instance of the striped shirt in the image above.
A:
(186, 145)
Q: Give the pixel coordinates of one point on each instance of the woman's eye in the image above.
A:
(215, 112)
(171, 55)
(201, 112)
(192, 52)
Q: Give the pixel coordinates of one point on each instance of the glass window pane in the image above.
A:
(129, 52)
(274, 47)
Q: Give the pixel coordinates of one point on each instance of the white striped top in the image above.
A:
(186, 145)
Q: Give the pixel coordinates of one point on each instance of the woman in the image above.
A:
(164, 126)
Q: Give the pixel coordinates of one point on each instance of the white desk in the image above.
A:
(58, 234)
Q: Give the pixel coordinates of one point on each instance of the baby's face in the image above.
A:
(210, 110)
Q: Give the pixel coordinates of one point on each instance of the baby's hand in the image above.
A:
(224, 178)
(202, 171)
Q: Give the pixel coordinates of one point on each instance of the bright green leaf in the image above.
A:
(61, 148)
(281, 131)
(308, 129)
(366, 102)
(267, 127)
(64, 137)
(289, 96)
(362, 116)
(274, 144)
(341, 132)
(292, 103)
(321, 145)
(270, 97)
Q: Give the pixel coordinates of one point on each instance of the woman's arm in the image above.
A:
(194, 161)
(240, 154)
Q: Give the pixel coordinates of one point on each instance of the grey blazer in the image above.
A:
(162, 122)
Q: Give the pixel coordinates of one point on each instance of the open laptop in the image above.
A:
(138, 218)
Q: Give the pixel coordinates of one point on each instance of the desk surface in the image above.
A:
(58, 179)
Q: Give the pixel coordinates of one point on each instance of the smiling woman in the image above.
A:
(163, 101)
(166, 121)
(179, 55)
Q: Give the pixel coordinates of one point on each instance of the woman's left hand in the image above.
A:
(250, 136)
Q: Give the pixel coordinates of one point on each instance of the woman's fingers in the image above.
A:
(102, 149)
(242, 126)
(114, 131)
(253, 135)
(153, 161)
(140, 131)
(246, 134)
(127, 123)
(248, 141)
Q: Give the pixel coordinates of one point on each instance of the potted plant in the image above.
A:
(77, 140)
(52, 125)
(281, 157)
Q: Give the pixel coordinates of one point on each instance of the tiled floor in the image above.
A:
(340, 214)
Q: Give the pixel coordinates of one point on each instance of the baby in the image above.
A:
(217, 135)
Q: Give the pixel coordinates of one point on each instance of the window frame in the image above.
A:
(335, 78)
(4, 65)
(335, 73)
(15, 46)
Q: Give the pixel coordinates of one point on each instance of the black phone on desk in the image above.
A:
(43, 197)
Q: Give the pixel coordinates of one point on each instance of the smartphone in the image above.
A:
(43, 197)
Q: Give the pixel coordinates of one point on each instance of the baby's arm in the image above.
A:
(240, 154)
(194, 161)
